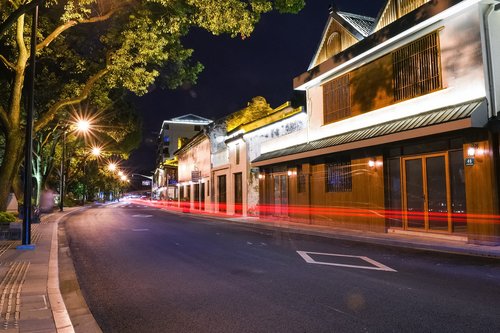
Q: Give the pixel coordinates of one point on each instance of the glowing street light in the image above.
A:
(96, 151)
(112, 166)
(83, 125)
(120, 173)
(124, 178)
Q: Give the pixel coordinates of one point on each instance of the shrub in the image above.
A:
(6, 217)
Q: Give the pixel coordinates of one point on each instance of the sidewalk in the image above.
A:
(30, 298)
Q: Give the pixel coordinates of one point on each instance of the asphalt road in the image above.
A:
(146, 270)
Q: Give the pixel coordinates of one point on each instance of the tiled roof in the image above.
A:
(363, 24)
(439, 116)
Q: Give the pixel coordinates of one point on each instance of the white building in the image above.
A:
(173, 134)
(403, 133)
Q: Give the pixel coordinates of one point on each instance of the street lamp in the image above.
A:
(80, 126)
(112, 166)
(83, 125)
(96, 152)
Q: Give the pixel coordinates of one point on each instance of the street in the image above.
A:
(142, 269)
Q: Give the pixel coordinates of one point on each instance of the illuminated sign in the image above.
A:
(146, 183)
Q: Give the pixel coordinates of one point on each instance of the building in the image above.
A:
(402, 134)
(173, 134)
(214, 166)
(194, 173)
(245, 143)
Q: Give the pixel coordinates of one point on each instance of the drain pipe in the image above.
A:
(489, 57)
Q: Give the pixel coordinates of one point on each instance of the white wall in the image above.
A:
(463, 78)
(494, 29)
(196, 158)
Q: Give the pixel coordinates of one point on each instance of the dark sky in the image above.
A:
(236, 70)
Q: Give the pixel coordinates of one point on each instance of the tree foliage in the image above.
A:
(90, 49)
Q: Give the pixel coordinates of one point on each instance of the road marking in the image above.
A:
(142, 215)
(376, 265)
(140, 229)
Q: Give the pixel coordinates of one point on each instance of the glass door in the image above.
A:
(426, 195)
(414, 193)
(280, 195)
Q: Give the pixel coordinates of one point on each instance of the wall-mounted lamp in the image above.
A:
(373, 163)
(475, 151)
(289, 173)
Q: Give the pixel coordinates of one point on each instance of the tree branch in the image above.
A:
(23, 9)
(7, 63)
(60, 29)
(4, 118)
(51, 113)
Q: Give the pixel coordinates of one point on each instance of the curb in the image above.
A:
(61, 316)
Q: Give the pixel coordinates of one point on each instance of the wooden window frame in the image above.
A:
(417, 68)
(338, 176)
(336, 99)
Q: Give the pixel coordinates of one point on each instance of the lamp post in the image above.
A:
(82, 126)
(28, 152)
(63, 160)
(96, 152)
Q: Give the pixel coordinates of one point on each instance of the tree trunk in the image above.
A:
(14, 143)
(17, 187)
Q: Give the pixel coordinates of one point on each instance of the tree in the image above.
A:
(116, 130)
(88, 48)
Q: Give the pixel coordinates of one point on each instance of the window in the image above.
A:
(417, 68)
(181, 192)
(165, 151)
(166, 139)
(237, 148)
(336, 99)
(197, 128)
(339, 176)
(301, 180)
(333, 45)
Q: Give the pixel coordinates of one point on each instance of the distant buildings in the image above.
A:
(399, 133)
(214, 166)
(173, 134)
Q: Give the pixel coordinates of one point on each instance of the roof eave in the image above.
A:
(361, 49)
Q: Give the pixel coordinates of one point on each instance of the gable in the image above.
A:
(342, 30)
(191, 118)
(394, 9)
(335, 39)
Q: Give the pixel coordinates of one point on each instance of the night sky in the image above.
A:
(236, 70)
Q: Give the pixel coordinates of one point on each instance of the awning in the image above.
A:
(447, 119)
